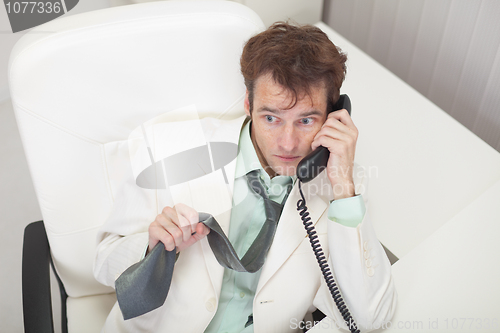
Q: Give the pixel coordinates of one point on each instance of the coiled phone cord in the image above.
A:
(323, 264)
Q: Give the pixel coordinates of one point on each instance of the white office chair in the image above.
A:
(79, 86)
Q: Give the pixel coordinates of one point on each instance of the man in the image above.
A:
(293, 76)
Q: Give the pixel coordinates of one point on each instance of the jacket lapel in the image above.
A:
(290, 232)
(214, 196)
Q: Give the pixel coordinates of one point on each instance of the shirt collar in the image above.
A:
(247, 159)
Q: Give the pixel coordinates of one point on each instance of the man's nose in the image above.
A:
(289, 140)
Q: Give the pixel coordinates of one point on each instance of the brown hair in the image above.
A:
(297, 57)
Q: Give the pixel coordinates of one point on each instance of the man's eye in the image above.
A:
(269, 119)
(306, 121)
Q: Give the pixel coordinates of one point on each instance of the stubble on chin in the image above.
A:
(283, 170)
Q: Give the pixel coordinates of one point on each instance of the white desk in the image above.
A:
(425, 166)
(435, 202)
(449, 282)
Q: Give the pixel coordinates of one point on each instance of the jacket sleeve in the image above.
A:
(362, 272)
(123, 238)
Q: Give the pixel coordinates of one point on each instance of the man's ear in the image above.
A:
(247, 104)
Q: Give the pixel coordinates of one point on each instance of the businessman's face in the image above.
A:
(281, 135)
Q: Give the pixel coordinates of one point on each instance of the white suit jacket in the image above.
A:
(291, 283)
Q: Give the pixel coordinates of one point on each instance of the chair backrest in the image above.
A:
(81, 84)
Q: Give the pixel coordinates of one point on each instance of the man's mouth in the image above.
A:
(287, 158)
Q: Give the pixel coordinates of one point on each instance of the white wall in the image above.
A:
(7, 41)
(302, 11)
(448, 50)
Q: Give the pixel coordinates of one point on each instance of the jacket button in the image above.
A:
(210, 305)
(368, 263)
(370, 271)
(366, 254)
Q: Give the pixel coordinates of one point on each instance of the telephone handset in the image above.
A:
(307, 170)
(316, 161)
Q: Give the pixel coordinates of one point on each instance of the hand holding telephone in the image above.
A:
(307, 170)
(316, 161)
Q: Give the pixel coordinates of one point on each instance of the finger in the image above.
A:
(169, 219)
(201, 231)
(338, 124)
(325, 136)
(334, 128)
(344, 117)
(184, 224)
(337, 131)
(334, 146)
(153, 238)
(189, 216)
(158, 233)
(176, 234)
(169, 216)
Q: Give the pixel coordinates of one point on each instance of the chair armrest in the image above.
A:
(37, 301)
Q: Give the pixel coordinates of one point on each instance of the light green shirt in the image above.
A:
(247, 217)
